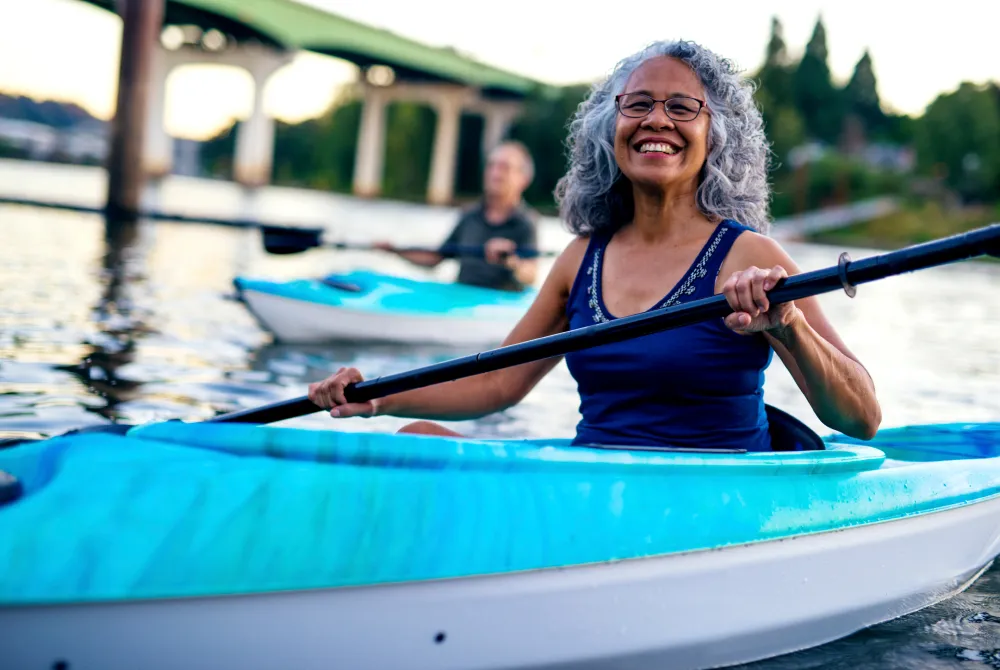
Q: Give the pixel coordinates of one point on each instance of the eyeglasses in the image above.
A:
(638, 105)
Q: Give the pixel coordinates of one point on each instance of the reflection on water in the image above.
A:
(118, 325)
(135, 323)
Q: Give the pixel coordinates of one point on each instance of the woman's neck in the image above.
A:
(667, 217)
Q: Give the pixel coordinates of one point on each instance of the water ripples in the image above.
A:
(140, 326)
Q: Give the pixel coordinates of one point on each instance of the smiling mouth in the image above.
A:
(658, 148)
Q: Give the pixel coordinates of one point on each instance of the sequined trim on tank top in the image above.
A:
(687, 287)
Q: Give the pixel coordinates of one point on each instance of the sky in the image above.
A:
(68, 50)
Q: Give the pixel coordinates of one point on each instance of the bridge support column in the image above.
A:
(159, 150)
(448, 101)
(255, 137)
(369, 159)
(441, 188)
(126, 178)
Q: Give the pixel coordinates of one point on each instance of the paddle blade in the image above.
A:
(284, 241)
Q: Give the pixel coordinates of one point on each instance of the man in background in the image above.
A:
(494, 228)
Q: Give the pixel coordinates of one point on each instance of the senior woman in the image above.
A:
(667, 194)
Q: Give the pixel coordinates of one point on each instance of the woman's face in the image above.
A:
(652, 149)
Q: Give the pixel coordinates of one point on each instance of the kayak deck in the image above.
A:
(375, 292)
(176, 509)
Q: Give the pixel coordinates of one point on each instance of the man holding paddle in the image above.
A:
(500, 225)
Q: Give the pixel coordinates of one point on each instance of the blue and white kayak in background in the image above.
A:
(370, 306)
(240, 546)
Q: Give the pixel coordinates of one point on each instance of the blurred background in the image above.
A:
(859, 98)
(371, 120)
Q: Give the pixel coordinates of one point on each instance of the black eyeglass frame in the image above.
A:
(652, 106)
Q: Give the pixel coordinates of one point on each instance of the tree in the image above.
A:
(815, 95)
(861, 98)
(777, 51)
(775, 75)
(776, 97)
(785, 130)
(959, 137)
(899, 128)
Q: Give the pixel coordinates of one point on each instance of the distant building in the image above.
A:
(807, 153)
(187, 158)
(86, 142)
(889, 157)
(878, 155)
(36, 140)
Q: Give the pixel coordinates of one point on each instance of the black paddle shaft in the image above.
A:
(283, 241)
(845, 275)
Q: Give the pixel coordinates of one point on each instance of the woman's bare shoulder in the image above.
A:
(754, 249)
(567, 264)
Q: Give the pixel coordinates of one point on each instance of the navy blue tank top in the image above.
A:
(696, 386)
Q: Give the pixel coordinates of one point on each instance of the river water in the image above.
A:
(142, 327)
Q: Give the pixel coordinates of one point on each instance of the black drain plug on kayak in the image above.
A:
(10, 488)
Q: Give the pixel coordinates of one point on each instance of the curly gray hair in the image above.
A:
(594, 195)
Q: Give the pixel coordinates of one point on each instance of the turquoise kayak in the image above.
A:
(371, 306)
(254, 546)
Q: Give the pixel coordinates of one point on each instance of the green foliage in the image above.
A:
(469, 177)
(899, 129)
(913, 224)
(958, 138)
(777, 50)
(784, 127)
(775, 77)
(217, 153)
(775, 95)
(817, 99)
(861, 93)
(318, 153)
(409, 143)
(830, 181)
(543, 128)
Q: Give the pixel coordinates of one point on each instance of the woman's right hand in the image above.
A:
(329, 394)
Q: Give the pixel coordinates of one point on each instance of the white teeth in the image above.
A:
(658, 147)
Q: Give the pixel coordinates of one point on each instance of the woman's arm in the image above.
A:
(837, 386)
(479, 395)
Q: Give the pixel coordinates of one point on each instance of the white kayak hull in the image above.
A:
(298, 322)
(375, 307)
(702, 609)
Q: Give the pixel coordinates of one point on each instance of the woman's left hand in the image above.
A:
(752, 311)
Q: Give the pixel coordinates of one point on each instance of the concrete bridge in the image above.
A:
(261, 36)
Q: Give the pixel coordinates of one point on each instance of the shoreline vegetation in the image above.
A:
(913, 224)
(833, 141)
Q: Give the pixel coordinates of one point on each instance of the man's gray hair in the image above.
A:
(528, 164)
